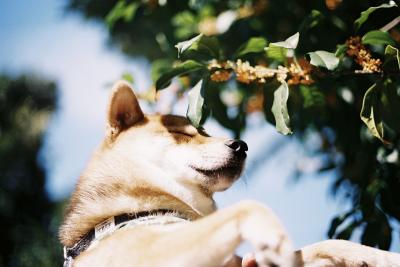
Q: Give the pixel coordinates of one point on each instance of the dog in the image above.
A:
(145, 199)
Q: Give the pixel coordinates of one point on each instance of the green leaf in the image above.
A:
(348, 231)
(324, 59)
(199, 47)
(337, 221)
(185, 45)
(390, 102)
(381, 111)
(183, 68)
(185, 23)
(121, 10)
(312, 97)
(393, 52)
(367, 111)
(279, 109)
(371, 234)
(377, 232)
(289, 43)
(158, 67)
(370, 112)
(365, 14)
(127, 77)
(340, 50)
(377, 38)
(253, 45)
(276, 53)
(195, 109)
(311, 20)
(130, 11)
(386, 237)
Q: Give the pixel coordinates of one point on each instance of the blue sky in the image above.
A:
(37, 36)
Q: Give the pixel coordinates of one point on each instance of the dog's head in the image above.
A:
(171, 145)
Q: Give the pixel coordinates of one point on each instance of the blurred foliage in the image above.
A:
(309, 66)
(29, 220)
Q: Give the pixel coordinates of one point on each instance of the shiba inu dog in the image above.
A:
(145, 199)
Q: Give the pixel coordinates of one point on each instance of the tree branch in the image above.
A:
(391, 24)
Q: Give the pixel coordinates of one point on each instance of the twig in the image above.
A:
(360, 73)
(391, 24)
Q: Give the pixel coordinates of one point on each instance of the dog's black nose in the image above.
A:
(237, 145)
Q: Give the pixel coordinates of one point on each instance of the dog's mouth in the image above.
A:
(231, 169)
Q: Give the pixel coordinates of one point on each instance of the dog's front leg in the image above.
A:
(207, 242)
(344, 253)
(210, 240)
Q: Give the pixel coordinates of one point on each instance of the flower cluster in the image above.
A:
(220, 71)
(362, 56)
(300, 73)
(246, 73)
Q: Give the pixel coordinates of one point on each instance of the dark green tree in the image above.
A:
(28, 218)
(337, 76)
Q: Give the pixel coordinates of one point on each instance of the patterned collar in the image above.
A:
(114, 223)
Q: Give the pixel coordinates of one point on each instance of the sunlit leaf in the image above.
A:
(196, 103)
(199, 48)
(183, 68)
(370, 112)
(225, 20)
(340, 50)
(121, 10)
(393, 53)
(290, 43)
(365, 14)
(276, 53)
(377, 38)
(130, 11)
(253, 45)
(127, 77)
(116, 13)
(280, 110)
(183, 46)
(324, 59)
(381, 111)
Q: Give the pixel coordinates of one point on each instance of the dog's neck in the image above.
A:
(98, 197)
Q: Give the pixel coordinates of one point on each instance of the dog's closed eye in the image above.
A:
(181, 133)
(188, 131)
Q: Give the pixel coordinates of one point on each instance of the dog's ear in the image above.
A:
(123, 109)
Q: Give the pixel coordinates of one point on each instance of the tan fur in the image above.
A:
(150, 162)
(343, 253)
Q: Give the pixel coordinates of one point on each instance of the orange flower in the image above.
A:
(221, 75)
(362, 56)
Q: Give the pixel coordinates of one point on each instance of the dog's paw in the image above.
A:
(266, 233)
(275, 254)
(272, 249)
(271, 258)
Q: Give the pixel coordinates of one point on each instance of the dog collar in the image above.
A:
(108, 226)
